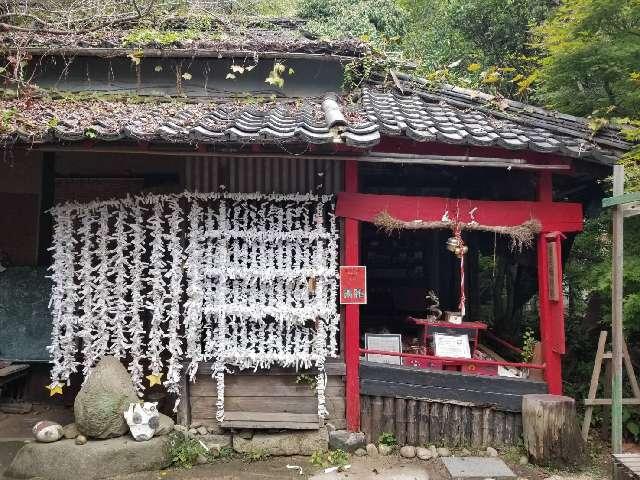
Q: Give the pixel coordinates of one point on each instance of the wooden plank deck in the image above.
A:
(628, 464)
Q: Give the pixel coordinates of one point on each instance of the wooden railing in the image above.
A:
(454, 360)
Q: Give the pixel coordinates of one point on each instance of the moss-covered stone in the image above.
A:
(102, 400)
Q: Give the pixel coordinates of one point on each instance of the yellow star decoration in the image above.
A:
(54, 389)
(155, 379)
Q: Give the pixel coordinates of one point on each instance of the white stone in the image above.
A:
(47, 432)
(347, 441)
(81, 440)
(361, 452)
(408, 451)
(385, 449)
(476, 468)
(444, 452)
(215, 429)
(434, 451)
(202, 430)
(492, 452)
(284, 444)
(523, 460)
(423, 453)
(465, 452)
(70, 431)
(216, 442)
(372, 450)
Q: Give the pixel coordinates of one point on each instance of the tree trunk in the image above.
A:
(550, 430)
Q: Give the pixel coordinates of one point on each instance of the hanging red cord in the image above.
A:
(460, 251)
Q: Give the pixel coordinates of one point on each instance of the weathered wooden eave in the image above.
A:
(180, 53)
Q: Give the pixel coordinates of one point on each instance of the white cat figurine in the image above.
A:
(143, 420)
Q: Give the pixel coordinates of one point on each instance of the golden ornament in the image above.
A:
(55, 389)
(155, 379)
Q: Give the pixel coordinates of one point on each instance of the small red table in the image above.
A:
(429, 327)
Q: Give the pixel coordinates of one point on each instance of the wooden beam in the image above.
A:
(554, 216)
(462, 161)
(608, 401)
(617, 336)
(373, 157)
(184, 407)
(631, 209)
(352, 312)
(621, 199)
(206, 53)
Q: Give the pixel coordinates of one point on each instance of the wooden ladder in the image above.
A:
(591, 400)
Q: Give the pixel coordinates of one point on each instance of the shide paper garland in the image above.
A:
(239, 280)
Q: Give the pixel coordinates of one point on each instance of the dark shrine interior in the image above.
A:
(403, 266)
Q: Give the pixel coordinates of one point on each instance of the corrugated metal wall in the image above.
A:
(268, 175)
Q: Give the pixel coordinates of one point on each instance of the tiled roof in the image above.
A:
(446, 115)
(251, 36)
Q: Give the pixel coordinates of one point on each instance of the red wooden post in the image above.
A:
(352, 312)
(551, 310)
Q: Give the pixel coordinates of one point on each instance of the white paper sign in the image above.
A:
(389, 342)
(454, 346)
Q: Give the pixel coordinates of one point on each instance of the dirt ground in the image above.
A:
(15, 429)
(382, 468)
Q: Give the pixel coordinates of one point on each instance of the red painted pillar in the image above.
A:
(551, 310)
(352, 312)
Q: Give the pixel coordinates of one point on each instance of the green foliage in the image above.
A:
(90, 133)
(592, 50)
(266, 8)
(378, 63)
(276, 75)
(256, 455)
(387, 438)
(226, 452)
(333, 458)
(631, 422)
(482, 44)
(184, 450)
(528, 345)
(142, 37)
(6, 117)
(370, 20)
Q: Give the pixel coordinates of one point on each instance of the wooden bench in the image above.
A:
(628, 465)
(12, 382)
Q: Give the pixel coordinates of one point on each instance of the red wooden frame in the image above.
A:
(551, 312)
(563, 217)
(455, 361)
(554, 218)
(352, 312)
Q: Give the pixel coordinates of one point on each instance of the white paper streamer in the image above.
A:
(238, 280)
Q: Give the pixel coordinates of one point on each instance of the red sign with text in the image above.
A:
(353, 285)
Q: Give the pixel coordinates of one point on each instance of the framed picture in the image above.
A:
(454, 346)
(389, 342)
